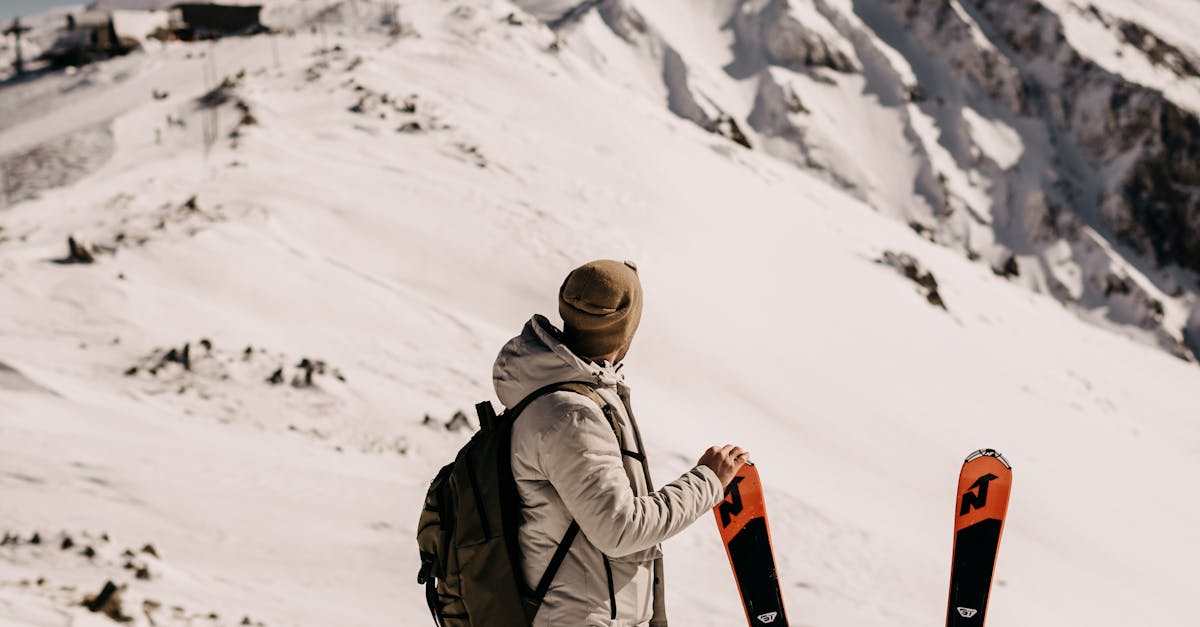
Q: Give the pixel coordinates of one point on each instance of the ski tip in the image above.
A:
(988, 452)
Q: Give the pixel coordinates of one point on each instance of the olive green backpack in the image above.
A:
(467, 534)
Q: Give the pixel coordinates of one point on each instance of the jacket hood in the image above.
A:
(538, 357)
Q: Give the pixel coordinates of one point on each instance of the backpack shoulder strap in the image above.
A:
(583, 388)
(589, 390)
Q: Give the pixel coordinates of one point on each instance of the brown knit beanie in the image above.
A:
(601, 305)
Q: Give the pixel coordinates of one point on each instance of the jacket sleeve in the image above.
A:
(581, 459)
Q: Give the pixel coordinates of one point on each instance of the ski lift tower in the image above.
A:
(16, 29)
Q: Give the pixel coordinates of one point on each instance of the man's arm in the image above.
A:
(582, 461)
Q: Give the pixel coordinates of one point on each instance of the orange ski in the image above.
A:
(983, 488)
(742, 520)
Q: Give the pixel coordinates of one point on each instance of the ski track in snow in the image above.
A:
(403, 260)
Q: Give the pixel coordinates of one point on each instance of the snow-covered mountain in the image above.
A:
(1057, 142)
(290, 249)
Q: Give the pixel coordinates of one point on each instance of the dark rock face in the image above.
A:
(912, 270)
(940, 26)
(1156, 50)
(1124, 158)
(1151, 202)
(791, 44)
(108, 602)
(769, 34)
(1163, 190)
(1191, 333)
(1008, 268)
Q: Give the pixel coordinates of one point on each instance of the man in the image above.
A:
(570, 466)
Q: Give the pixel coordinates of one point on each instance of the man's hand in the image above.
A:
(725, 461)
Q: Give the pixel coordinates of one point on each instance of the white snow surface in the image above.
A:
(138, 24)
(405, 259)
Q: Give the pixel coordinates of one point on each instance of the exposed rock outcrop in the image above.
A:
(793, 44)
(1191, 332)
(912, 269)
(1143, 147)
(108, 602)
(1124, 158)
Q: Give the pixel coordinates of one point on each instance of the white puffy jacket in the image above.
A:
(569, 466)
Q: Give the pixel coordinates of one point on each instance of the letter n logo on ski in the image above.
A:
(976, 500)
(733, 505)
(743, 503)
(983, 489)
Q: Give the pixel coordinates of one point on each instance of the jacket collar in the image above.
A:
(538, 357)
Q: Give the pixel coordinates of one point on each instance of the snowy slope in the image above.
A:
(403, 259)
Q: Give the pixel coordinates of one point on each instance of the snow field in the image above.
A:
(406, 259)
